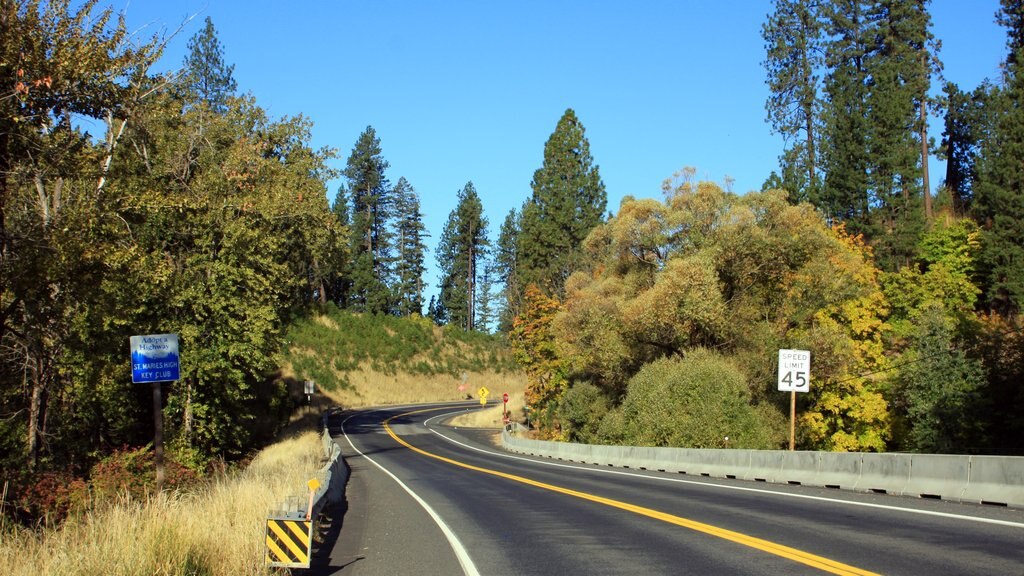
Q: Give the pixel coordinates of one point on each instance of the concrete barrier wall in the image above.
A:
(995, 479)
(977, 479)
(838, 470)
(939, 476)
(886, 473)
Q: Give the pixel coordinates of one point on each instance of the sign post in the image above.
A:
(154, 360)
(309, 387)
(314, 485)
(504, 408)
(794, 376)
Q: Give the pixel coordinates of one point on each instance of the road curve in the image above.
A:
(425, 498)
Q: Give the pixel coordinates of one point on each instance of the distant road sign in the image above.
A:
(794, 370)
(504, 397)
(310, 387)
(155, 358)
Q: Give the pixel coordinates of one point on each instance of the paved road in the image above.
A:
(492, 513)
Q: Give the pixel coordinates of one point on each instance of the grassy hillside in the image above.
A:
(365, 359)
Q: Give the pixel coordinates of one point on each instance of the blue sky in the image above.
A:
(469, 91)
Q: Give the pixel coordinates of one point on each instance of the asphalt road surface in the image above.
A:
(427, 499)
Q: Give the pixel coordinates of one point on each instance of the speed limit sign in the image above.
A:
(794, 370)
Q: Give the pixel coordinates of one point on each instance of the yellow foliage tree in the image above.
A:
(535, 348)
(847, 410)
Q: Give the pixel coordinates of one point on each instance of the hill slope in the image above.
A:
(367, 360)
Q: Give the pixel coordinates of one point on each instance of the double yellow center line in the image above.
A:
(812, 560)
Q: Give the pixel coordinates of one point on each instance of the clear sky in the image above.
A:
(466, 90)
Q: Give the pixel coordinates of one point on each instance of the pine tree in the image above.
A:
(506, 263)
(371, 238)
(207, 78)
(899, 71)
(794, 44)
(844, 196)
(339, 283)
(568, 200)
(965, 125)
(461, 251)
(436, 312)
(485, 297)
(1011, 17)
(411, 249)
(999, 204)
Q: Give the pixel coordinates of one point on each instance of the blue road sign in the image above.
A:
(155, 358)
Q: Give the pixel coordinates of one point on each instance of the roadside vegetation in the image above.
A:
(362, 359)
(214, 526)
(193, 211)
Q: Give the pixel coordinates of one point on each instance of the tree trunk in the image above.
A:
(187, 417)
(808, 106)
(37, 407)
(470, 281)
(924, 149)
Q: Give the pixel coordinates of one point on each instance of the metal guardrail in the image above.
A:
(995, 480)
(291, 529)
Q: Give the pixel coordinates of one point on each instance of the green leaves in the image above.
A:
(460, 255)
(700, 401)
(568, 200)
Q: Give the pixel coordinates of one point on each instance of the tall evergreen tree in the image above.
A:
(461, 252)
(568, 200)
(506, 263)
(999, 204)
(844, 196)
(411, 249)
(485, 297)
(899, 77)
(1011, 17)
(965, 125)
(207, 78)
(371, 238)
(794, 44)
(339, 283)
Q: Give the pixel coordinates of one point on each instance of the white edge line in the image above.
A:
(468, 567)
(725, 486)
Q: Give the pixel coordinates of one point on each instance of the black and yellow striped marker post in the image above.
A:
(289, 542)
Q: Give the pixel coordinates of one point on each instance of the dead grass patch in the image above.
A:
(217, 530)
(371, 388)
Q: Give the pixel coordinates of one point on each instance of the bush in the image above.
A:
(695, 403)
(132, 471)
(581, 411)
(613, 428)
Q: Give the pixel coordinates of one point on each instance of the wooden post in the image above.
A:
(792, 420)
(158, 436)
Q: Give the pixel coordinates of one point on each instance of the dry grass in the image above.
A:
(491, 417)
(217, 530)
(369, 388)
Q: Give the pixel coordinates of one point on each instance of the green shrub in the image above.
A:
(696, 403)
(581, 411)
